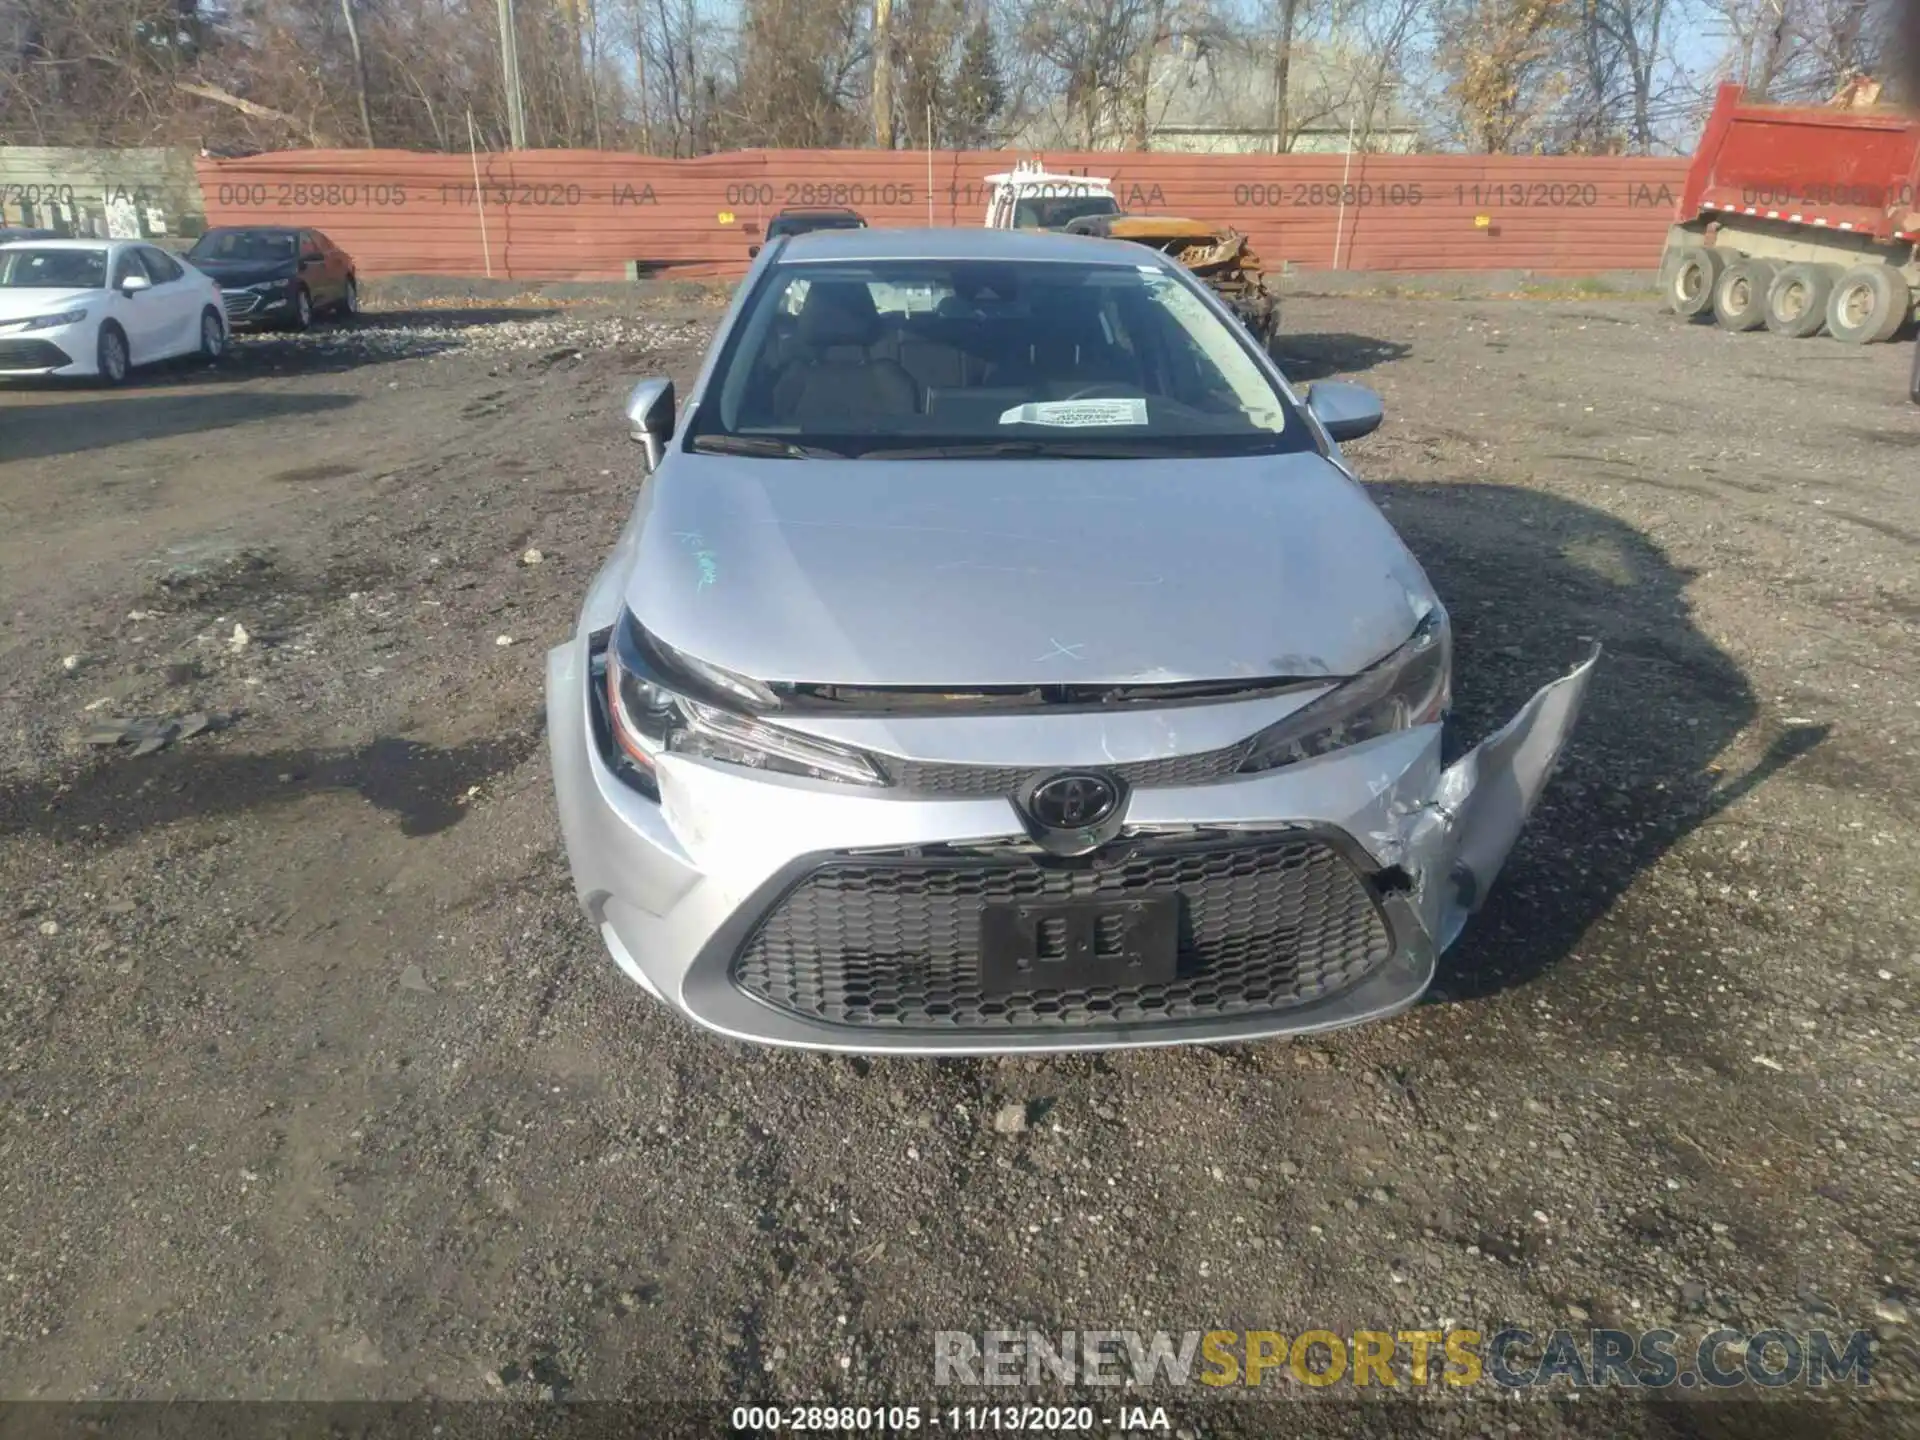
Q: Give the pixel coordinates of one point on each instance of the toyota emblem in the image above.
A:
(1073, 802)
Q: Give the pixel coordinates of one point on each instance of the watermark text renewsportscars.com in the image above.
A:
(1513, 1358)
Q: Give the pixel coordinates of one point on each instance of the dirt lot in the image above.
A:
(316, 1084)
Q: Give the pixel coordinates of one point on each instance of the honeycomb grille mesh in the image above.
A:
(1264, 927)
(32, 355)
(924, 777)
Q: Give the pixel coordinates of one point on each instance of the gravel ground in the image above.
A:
(317, 1086)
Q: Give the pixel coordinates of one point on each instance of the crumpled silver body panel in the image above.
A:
(675, 887)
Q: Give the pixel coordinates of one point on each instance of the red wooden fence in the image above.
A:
(582, 214)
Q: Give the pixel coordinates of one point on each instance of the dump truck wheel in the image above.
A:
(1691, 282)
(1797, 299)
(1868, 304)
(1740, 299)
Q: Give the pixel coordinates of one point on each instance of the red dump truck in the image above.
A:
(1800, 218)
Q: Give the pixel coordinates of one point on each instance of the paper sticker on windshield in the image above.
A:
(1077, 414)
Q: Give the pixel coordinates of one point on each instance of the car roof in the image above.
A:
(961, 243)
(799, 212)
(241, 229)
(76, 244)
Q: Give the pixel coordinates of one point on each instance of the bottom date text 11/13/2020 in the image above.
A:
(957, 1419)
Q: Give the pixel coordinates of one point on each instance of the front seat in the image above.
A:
(836, 378)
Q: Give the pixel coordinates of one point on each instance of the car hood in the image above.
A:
(956, 573)
(24, 303)
(244, 272)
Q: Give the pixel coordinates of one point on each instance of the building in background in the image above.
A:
(1222, 101)
(142, 193)
(1210, 98)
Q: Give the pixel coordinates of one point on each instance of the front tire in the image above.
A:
(213, 336)
(350, 301)
(1797, 300)
(112, 358)
(302, 310)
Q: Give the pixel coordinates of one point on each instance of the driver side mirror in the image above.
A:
(134, 284)
(1345, 411)
(650, 418)
(752, 250)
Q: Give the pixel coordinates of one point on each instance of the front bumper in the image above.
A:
(801, 913)
(247, 309)
(61, 350)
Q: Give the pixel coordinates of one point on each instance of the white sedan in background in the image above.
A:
(97, 308)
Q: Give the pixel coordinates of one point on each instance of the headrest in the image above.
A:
(839, 312)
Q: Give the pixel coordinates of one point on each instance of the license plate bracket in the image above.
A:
(1079, 944)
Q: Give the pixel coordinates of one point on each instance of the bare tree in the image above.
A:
(1801, 50)
(800, 77)
(1286, 19)
(1501, 63)
(1621, 73)
(359, 71)
(883, 57)
(1092, 48)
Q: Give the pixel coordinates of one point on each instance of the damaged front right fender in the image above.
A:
(1464, 834)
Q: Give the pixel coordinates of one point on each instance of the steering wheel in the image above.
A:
(1116, 390)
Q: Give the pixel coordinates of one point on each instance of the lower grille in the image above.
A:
(931, 777)
(32, 355)
(240, 303)
(1267, 924)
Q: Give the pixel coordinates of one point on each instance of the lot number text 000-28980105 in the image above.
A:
(286, 194)
(1393, 194)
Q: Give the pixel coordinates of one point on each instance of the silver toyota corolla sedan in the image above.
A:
(1001, 656)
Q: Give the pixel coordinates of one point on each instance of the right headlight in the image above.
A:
(649, 717)
(1412, 686)
(53, 322)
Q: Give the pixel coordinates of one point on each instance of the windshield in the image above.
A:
(244, 245)
(1055, 212)
(26, 269)
(894, 358)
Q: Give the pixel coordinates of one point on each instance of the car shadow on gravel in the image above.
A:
(1531, 581)
(42, 430)
(1305, 358)
(427, 786)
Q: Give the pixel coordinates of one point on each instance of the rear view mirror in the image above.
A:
(752, 250)
(650, 417)
(1345, 411)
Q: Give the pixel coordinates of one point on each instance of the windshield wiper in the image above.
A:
(1051, 449)
(761, 445)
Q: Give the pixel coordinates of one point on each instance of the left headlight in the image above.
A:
(648, 718)
(50, 322)
(1412, 686)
